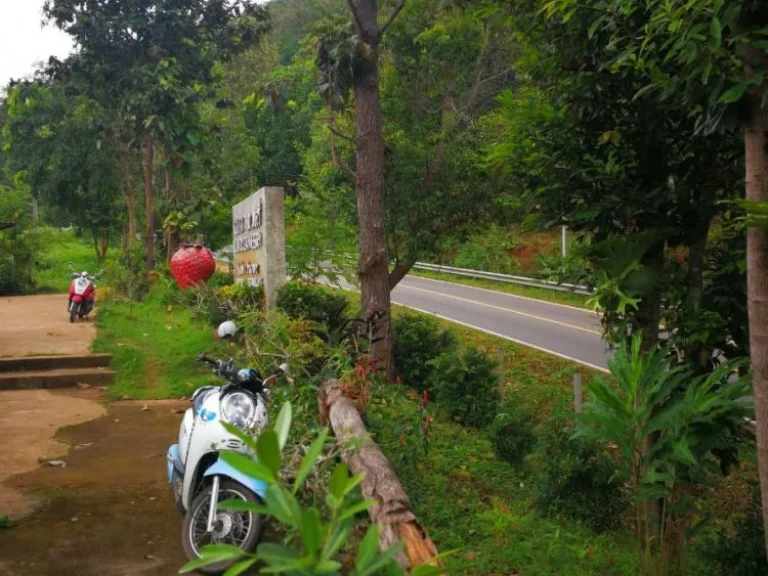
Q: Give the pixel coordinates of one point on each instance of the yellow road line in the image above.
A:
(510, 310)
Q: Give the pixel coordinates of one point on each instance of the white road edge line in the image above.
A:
(509, 338)
(503, 309)
(505, 294)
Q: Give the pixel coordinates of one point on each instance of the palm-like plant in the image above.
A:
(673, 431)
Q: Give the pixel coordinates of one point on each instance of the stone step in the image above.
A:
(38, 363)
(61, 378)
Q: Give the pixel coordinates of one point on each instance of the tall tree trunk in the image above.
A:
(172, 237)
(756, 159)
(149, 201)
(129, 194)
(373, 270)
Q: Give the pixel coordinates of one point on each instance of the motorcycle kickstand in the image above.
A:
(214, 502)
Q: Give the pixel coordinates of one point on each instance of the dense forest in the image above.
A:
(403, 130)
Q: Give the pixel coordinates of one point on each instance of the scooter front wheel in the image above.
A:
(73, 314)
(236, 528)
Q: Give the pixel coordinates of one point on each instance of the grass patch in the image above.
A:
(60, 248)
(5, 522)
(474, 503)
(154, 348)
(569, 298)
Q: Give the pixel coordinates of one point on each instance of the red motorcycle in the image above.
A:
(82, 294)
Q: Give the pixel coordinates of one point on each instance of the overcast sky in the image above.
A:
(24, 41)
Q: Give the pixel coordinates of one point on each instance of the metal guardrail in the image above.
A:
(521, 280)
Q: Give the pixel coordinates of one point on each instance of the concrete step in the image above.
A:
(55, 378)
(38, 363)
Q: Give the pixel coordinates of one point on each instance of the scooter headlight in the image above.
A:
(239, 409)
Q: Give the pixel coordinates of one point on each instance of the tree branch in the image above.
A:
(356, 17)
(398, 273)
(337, 159)
(340, 135)
(392, 17)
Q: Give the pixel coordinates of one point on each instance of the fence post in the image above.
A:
(577, 393)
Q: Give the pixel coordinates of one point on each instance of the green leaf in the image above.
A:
(336, 540)
(328, 567)
(356, 509)
(283, 505)
(241, 567)
(734, 94)
(243, 506)
(366, 553)
(268, 450)
(212, 554)
(353, 483)
(270, 552)
(338, 482)
(310, 530)
(283, 424)
(309, 460)
(383, 559)
(249, 466)
(715, 33)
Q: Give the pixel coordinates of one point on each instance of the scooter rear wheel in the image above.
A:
(241, 529)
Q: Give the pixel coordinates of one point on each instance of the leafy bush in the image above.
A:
(578, 479)
(18, 245)
(215, 305)
(571, 270)
(466, 386)
(489, 252)
(418, 339)
(511, 433)
(220, 279)
(742, 552)
(299, 300)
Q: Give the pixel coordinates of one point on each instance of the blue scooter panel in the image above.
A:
(172, 459)
(221, 468)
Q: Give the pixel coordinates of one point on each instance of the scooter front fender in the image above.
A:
(221, 468)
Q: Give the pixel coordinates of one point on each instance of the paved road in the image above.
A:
(562, 330)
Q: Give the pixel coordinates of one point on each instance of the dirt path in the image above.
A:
(28, 421)
(109, 512)
(39, 325)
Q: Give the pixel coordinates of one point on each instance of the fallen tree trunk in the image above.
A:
(392, 512)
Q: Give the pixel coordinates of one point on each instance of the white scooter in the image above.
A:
(200, 480)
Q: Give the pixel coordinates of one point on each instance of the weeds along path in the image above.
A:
(154, 347)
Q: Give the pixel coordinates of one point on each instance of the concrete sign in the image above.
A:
(258, 234)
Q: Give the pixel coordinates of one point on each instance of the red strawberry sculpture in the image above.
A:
(192, 265)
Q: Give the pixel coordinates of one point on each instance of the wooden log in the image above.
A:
(393, 511)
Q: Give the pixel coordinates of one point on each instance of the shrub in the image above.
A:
(418, 339)
(741, 552)
(220, 279)
(466, 386)
(18, 245)
(314, 303)
(488, 252)
(578, 480)
(215, 305)
(511, 433)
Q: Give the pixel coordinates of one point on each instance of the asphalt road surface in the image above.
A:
(565, 331)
